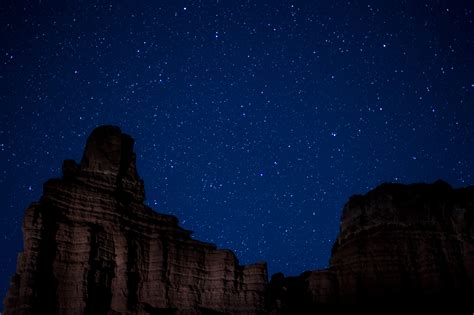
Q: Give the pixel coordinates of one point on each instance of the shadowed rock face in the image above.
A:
(92, 247)
(398, 245)
(405, 242)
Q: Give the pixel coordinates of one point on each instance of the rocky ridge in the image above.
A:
(92, 247)
(398, 245)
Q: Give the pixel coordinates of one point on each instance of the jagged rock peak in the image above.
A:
(109, 162)
(92, 247)
(108, 150)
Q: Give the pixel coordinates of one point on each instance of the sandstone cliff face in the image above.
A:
(406, 241)
(92, 247)
(398, 245)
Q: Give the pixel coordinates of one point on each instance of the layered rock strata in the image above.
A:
(92, 247)
(398, 245)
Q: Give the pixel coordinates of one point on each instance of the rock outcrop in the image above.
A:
(92, 247)
(398, 245)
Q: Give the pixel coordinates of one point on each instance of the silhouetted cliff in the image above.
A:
(398, 245)
(92, 247)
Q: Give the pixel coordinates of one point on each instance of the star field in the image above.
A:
(254, 121)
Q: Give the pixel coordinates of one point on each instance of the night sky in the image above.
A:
(254, 121)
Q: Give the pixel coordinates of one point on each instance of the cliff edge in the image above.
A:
(92, 247)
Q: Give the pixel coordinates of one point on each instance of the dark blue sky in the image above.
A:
(254, 120)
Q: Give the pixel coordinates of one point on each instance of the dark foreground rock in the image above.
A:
(92, 247)
(398, 245)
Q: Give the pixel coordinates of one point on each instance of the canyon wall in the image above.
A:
(398, 245)
(91, 246)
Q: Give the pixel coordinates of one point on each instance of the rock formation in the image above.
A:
(92, 247)
(398, 245)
